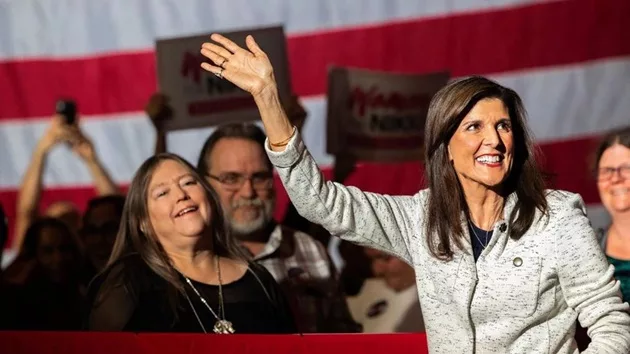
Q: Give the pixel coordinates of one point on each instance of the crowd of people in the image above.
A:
(486, 259)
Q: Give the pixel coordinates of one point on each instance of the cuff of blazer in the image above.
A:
(291, 153)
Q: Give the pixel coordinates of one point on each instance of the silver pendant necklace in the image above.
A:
(472, 227)
(222, 326)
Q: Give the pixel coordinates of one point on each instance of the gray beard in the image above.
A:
(249, 231)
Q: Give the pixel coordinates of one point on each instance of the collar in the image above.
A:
(281, 244)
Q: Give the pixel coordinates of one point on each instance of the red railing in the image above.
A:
(130, 343)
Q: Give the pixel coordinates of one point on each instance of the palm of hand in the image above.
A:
(249, 69)
(249, 72)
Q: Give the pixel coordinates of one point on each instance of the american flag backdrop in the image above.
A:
(569, 60)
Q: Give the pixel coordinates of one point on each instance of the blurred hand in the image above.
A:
(159, 110)
(249, 69)
(81, 145)
(58, 131)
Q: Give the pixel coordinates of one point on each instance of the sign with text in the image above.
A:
(201, 99)
(379, 116)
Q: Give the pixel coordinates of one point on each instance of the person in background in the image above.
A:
(612, 172)
(389, 302)
(51, 295)
(175, 269)
(612, 161)
(234, 162)
(30, 189)
(502, 264)
(99, 227)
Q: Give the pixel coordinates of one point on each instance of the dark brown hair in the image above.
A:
(246, 131)
(446, 203)
(34, 232)
(132, 239)
(618, 136)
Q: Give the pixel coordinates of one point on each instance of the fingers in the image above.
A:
(216, 58)
(218, 50)
(211, 68)
(253, 46)
(225, 42)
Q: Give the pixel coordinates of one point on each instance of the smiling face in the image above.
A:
(613, 182)
(481, 149)
(177, 204)
(241, 175)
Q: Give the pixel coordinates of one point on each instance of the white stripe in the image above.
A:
(563, 102)
(66, 28)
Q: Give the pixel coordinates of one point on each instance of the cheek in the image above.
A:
(159, 213)
(508, 142)
(225, 197)
(265, 195)
(602, 187)
(461, 148)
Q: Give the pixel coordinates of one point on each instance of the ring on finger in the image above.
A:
(220, 74)
(223, 63)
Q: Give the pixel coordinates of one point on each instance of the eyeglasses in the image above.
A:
(606, 173)
(234, 181)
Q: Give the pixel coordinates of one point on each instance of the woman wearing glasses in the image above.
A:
(613, 183)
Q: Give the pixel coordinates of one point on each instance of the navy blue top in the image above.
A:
(479, 239)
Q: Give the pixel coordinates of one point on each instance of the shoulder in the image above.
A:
(560, 201)
(304, 240)
(260, 272)
(263, 278)
(564, 206)
(129, 272)
(568, 221)
(308, 249)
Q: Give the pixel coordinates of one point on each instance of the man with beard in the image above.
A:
(234, 161)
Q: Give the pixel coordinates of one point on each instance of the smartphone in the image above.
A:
(68, 109)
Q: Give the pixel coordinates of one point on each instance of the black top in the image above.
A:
(479, 238)
(139, 300)
(41, 305)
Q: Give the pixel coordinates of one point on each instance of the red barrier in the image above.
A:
(130, 343)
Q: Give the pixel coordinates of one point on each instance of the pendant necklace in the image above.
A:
(222, 326)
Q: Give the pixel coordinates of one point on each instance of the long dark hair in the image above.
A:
(133, 238)
(446, 203)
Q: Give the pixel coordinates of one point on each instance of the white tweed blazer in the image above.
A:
(520, 296)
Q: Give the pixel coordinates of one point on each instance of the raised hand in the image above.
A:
(159, 110)
(82, 146)
(249, 69)
(58, 131)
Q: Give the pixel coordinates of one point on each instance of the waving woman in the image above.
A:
(502, 265)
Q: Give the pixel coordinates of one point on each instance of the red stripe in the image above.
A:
(396, 178)
(552, 33)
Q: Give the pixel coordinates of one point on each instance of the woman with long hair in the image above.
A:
(174, 268)
(502, 265)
